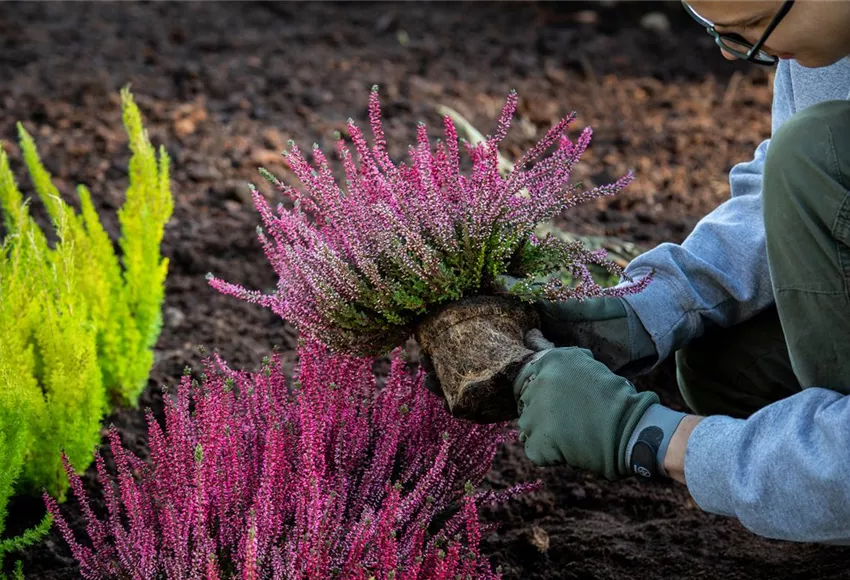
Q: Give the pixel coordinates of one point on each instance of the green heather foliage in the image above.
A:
(77, 325)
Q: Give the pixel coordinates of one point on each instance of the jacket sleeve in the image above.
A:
(719, 274)
(784, 472)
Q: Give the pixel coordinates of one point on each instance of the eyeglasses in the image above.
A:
(738, 46)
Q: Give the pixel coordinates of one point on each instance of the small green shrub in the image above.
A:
(77, 324)
(124, 303)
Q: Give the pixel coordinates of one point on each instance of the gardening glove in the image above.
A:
(608, 327)
(574, 410)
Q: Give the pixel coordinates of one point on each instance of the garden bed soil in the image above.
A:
(224, 86)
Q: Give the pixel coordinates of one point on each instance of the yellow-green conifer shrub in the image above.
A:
(77, 323)
(51, 393)
(124, 297)
(14, 437)
(51, 380)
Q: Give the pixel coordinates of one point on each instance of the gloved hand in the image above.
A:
(608, 327)
(574, 410)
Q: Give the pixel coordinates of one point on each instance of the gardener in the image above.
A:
(755, 304)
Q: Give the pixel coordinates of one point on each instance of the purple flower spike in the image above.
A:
(254, 476)
(359, 266)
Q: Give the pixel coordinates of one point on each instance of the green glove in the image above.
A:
(574, 410)
(608, 327)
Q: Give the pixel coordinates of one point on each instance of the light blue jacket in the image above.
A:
(785, 471)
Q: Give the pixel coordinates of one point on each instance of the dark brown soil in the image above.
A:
(223, 86)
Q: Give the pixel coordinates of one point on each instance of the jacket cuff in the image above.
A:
(659, 308)
(710, 463)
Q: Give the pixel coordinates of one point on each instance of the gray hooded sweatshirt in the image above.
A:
(785, 471)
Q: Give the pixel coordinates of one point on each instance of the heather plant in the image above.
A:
(360, 266)
(322, 476)
(123, 298)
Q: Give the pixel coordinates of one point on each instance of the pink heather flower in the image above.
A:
(359, 266)
(324, 476)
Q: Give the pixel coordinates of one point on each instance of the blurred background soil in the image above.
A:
(224, 86)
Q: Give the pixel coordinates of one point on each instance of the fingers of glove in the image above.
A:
(567, 377)
(541, 450)
(535, 340)
(554, 363)
(542, 433)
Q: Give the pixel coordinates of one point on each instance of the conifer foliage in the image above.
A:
(78, 323)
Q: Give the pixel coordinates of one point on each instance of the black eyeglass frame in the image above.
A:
(754, 54)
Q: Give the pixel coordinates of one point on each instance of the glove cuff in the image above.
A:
(643, 354)
(648, 443)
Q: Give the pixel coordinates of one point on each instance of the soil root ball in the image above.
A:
(476, 348)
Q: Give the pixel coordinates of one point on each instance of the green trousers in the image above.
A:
(804, 340)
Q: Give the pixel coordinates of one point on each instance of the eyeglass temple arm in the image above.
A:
(774, 22)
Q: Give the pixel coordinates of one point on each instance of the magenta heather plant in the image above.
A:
(359, 267)
(325, 477)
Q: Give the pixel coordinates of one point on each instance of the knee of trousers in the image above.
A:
(699, 376)
(802, 149)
